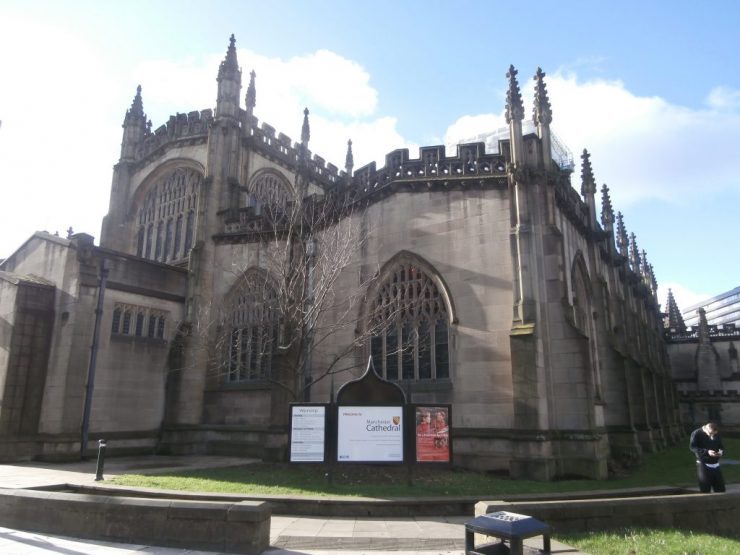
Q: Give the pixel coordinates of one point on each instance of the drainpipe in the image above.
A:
(93, 357)
(310, 285)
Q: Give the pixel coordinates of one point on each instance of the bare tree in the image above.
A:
(307, 288)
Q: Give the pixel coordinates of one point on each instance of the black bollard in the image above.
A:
(101, 460)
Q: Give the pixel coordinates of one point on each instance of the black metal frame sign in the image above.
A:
(371, 423)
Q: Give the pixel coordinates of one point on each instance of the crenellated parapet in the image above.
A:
(281, 149)
(470, 162)
(692, 334)
(572, 206)
(193, 125)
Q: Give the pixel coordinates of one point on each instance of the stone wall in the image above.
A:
(233, 527)
(710, 513)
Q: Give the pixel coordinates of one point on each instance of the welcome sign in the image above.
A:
(370, 434)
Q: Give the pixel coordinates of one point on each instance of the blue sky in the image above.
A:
(652, 89)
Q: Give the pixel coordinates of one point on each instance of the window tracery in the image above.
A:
(138, 321)
(269, 191)
(171, 201)
(253, 331)
(410, 323)
(583, 320)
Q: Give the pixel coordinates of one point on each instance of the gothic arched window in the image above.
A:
(583, 311)
(409, 321)
(269, 193)
(170, 200)
(254, 321)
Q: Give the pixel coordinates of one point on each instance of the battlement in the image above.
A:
(572, 205)
(289, 152)
(703, 394)
(469, 161)
(726, 331)
(179, 126)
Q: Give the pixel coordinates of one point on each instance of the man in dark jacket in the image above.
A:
(707, 446)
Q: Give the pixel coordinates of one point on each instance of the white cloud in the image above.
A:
(336, 91)
(642, 147)
(61, 129)
(56, 145)
(468, 127)
(723, 98)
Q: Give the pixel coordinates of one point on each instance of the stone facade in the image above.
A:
(506, 293)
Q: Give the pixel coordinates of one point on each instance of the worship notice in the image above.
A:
(307, 433)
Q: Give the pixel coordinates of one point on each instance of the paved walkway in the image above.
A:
(288, 534)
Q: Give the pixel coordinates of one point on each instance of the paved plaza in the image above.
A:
(427, 535)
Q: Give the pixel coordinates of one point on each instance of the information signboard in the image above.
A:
(370, 434)
(307, 433)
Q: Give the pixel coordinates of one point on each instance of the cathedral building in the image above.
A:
(237, 272)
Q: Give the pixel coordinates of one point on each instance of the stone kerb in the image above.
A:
(241, 527)
(712, 513)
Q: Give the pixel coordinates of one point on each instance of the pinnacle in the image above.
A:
(622, 239)
(675, 319)
(349, 161)
(514, 106)
(251, 98)
(542, 107)
(230, 65)
(137, 108)
(634, 253)
(588, 183)
(306, 129)
(607, 212)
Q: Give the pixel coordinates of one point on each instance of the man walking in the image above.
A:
(707, 446)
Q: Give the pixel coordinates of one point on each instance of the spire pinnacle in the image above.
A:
(250, 100)
(645, 269)
(542, 108)
(607, 212)
(634, 254)
(349, 161)
(514, 106)
(675, 319)
(653, 281)
(136, 111)
(230, 67)
(622, 240)
(306, 129)
(588, 183)
(703, 327)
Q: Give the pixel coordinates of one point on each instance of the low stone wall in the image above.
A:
(712, 513)
(239, 527)
(357, 507)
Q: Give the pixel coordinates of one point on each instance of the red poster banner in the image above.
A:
(432, 434)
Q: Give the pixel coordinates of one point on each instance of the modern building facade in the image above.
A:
(719, 310)
(477, 278)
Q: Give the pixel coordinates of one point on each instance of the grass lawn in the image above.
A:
(672, 467)
(649, 541)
